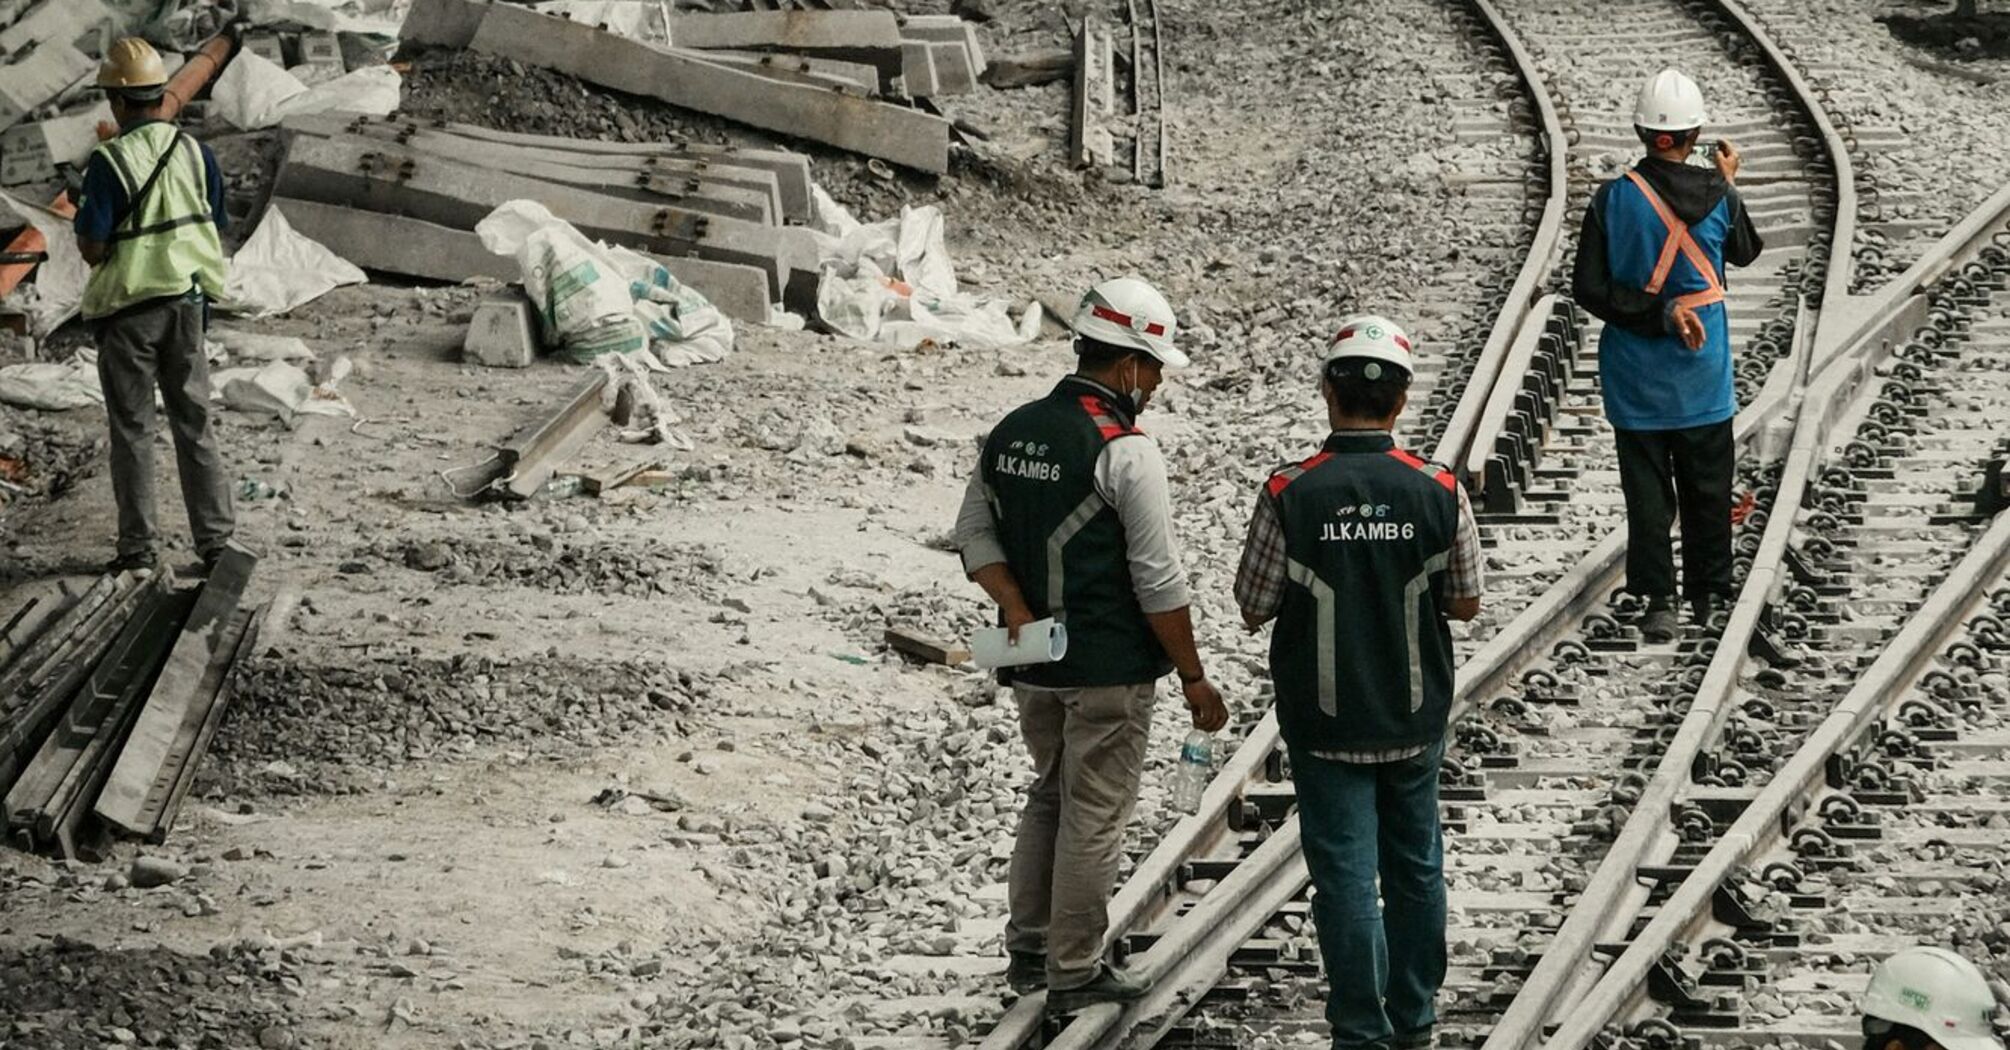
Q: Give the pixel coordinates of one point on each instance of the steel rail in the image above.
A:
(1845, 372)
(1460, 430)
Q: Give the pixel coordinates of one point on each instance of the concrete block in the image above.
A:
(62, 21)
(918, 76)
(933, 28)
(954, 75)
(30, 152)
(443, 23)
(502, 334)
(1089, 140)
(893, 133)
(36, 80)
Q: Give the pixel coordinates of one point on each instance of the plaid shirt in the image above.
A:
(1259, 586)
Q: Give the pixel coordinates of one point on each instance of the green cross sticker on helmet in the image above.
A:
(1375, 339)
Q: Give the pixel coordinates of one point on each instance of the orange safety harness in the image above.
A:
(1678, 240)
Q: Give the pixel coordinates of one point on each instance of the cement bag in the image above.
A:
(684, 327)
(576, 285)
(53, 387)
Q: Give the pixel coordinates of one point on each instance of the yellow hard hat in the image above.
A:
(133, 66)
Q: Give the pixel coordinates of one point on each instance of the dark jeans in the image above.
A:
(1384, 962)
(1666, 472)
(160, 344)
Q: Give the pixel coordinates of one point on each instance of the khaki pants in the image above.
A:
(1088, 748)
(160, 345)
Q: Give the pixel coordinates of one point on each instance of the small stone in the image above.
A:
(236, 853)
(273, 1037)
(646, 968)
(428, 557)
(149, 872)
(818, 813)
(833, 867)
(613, 861)
(117, 881)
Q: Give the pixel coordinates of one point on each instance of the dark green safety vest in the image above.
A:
(1361, 653)
(169, 244)
(1064, 544)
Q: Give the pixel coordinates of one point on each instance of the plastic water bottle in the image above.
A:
(1196, 767)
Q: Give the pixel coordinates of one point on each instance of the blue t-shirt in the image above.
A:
(105, 196)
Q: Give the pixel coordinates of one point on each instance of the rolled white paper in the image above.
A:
(1040, 642)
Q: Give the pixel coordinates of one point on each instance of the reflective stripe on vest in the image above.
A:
(168, 242)
(1057, 569)
(1678, 240)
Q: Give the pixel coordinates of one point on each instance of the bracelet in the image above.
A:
(1184, 680)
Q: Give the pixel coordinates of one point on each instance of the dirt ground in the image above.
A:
(638, 770)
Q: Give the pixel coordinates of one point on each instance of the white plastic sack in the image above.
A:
(595, 299)
(254, 93)
(282, 390)
(59, 281)
(53, 387)
(249, 346)
(280, 268)
(893, 282)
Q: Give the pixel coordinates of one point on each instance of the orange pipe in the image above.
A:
(187, 82)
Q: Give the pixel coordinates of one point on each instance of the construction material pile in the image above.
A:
(108, 700)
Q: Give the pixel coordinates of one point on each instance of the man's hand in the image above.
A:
(1728, 159)
(1016, 617)
(1688, 326)
(1204, 700)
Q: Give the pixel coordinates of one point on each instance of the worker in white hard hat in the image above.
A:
(1361, 554)
(1927, 998)
(1650, 264)
(1068, 515)
(149, 225)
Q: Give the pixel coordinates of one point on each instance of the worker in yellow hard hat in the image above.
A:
(149, 226)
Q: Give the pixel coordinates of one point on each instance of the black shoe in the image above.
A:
(1110, 985)
(1025, 972)
(1421, 1039)
(1703, 607)
(144, 561)
(1657, 624)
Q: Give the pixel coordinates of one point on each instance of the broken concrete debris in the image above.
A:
(502, 334)
(1089, 139)
(109, 697)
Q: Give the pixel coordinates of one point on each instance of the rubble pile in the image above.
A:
(70, 995)
(540, 561)
(337, 729)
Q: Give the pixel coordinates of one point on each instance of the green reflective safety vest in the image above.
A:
(1064, 544)
(169, 243)
(1361, 654)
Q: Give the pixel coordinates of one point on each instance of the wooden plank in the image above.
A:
(600, 481)
(877, 129)
(536, 453)
(177, 701)
(416, 248)
(1089, 140)
(742, 198)
(443, 23)
(239, 641)
(401, 181)
(868, 37)
(1030, 68)
(924, 648)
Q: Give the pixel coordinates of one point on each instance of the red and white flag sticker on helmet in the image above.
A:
(1129, 312)
(1376, 339)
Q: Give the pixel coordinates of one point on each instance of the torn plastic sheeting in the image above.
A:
(594, 299)
(58, 288)
(53, 387)
(249, 346)
(254, 93)
(280, 268)
(281, 390)
(893, 282)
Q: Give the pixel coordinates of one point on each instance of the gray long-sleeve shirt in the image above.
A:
(1130, 476)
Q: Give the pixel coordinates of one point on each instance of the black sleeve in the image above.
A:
(1591, 283)
(1744, 244)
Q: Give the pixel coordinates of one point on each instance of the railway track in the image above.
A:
(1579, 756)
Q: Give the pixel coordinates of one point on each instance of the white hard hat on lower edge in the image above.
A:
(1937, 992)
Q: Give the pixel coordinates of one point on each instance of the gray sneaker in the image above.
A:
(1658, 625)
(1110, 985)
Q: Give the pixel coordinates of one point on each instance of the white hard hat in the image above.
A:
(1669, 101)
(1375, 338)
(1938, 993)
(1129, 312)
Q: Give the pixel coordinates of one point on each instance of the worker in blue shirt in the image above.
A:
(1650, 264)
(148, 225)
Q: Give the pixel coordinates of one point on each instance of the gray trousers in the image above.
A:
(1088, 748)
(162, 344)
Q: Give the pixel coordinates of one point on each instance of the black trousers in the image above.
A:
(1666, 472)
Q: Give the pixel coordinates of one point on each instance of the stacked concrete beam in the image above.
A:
(60, 21)
(956, 58)
(890, 132)
(37, 80)
(868, 37)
